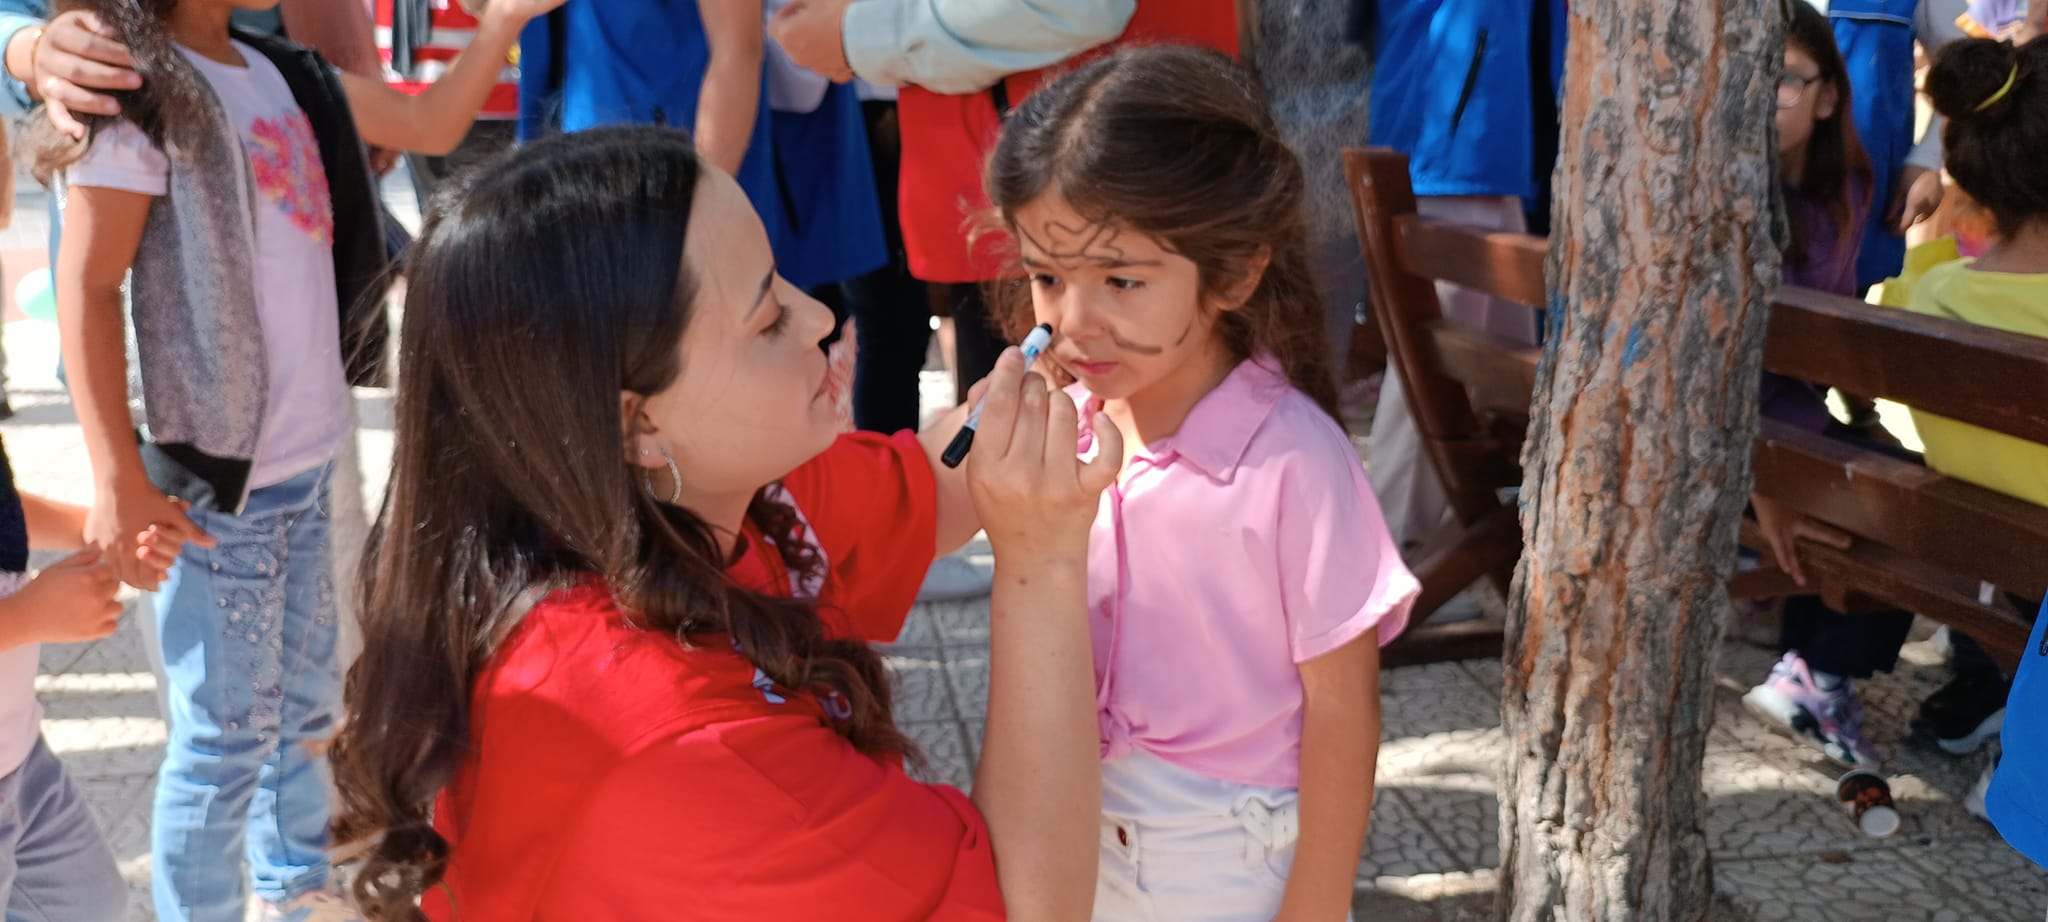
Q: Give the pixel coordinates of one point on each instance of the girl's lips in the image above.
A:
(1092, 369)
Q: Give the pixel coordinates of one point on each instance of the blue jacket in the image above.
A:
(637, 62)
(2018, 801)
(1454, 84)
(1876, 38)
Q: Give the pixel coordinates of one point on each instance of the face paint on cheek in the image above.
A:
(1143, 349)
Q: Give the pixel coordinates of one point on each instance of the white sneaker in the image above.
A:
(953, 578)
(1974, 801)
(324, 905)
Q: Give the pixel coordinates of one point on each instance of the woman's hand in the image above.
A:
(1783, 527)
(72, 66)
(1033, 494)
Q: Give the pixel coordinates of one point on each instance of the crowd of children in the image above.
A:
(620, 600)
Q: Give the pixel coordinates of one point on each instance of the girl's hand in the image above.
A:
(1782, 527)
(72, 601)
(132, 521)
(1034, 496)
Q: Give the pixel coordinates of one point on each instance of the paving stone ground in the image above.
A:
(1782, 849)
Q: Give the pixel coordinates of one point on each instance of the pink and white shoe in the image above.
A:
(1791, 701)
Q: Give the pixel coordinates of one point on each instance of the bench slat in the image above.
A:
(1956, 525)
(1506, 266)
(1978, 375)
(1499, 374)
(1870, 571)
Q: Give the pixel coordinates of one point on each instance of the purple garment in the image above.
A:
(1829, 265)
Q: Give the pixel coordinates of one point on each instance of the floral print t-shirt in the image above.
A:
(306, 413)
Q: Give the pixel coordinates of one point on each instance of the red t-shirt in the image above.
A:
(616, 774)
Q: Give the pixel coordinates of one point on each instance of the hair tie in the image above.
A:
(1993, 99)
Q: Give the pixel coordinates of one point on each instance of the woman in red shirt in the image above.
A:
(619, 601)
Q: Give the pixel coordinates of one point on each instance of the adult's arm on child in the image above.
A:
(70, 64)
(1340, 744)
(1039, 783)
(436, 120)
(102, 229)
(731, 94)
(71, 601)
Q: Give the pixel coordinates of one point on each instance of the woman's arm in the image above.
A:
(102, 229)
(1340, 744)
(731, 95)
(437, 119)
(957, 520)
(1039, 783)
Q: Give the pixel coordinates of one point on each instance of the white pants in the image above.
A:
(1182, 847)
(1410, 495)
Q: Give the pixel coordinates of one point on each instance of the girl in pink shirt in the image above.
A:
(1240, 575)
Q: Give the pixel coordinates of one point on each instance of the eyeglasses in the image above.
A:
(1792, 88)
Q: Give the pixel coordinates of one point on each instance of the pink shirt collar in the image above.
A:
(1219, 428)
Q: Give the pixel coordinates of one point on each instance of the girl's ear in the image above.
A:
(639, 439)
(1248, 280)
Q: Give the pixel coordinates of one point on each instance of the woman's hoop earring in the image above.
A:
(675, 474)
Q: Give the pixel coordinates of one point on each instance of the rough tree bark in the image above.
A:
(1661, 265)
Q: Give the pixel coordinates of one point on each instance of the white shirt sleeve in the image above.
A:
(122, 157)
(965, 46)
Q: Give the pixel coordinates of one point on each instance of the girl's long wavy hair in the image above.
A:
(1178, 144)
(1838, 173)
(169, 107)
(542, 286)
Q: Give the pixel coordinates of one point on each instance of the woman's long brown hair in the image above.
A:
(1178, 144)
(542, 286)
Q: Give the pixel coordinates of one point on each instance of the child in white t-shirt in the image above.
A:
(232, 187)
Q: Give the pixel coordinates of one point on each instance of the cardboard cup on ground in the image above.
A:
(1867, 798)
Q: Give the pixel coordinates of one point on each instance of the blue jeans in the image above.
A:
(247, 630)
(54, 864)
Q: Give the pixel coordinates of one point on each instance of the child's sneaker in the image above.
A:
(1966, 713)
(1791, 701)
(324, 905)
(1974, 801)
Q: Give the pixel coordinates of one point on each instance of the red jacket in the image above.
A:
(617, 775)
(947, 139)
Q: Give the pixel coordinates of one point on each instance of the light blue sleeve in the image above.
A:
(965, 46)
(16, 15)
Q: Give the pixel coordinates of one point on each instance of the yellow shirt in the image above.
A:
(2009, 301)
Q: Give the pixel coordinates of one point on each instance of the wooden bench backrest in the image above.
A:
(1925, 540)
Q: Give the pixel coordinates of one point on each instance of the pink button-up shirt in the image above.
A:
(1225, 555)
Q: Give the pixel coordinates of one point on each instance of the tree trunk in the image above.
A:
(1662, 262)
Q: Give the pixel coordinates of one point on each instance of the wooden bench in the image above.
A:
(1925, 542)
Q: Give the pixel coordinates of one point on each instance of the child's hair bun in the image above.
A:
(1981, 80)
